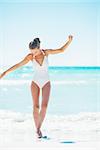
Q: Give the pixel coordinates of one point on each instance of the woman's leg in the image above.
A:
(45, 100)
(35, 90)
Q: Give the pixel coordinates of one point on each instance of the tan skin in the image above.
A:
(39, 114)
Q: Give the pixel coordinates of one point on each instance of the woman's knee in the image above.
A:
(44, 106)
(36, 108)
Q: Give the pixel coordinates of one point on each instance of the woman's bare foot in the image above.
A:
(39, 133)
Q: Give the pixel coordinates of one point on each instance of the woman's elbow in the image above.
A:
(61, 50)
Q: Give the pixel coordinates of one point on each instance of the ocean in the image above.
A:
(73, 90)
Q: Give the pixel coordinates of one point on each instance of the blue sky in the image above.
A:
(52, 22)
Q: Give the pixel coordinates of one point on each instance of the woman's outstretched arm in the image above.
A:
(61, 49)
(23, 62)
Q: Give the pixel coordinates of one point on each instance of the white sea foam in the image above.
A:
(17, 129)
(21, 82)
(14, 82)
(76, 122)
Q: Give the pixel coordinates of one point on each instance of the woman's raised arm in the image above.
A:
(23, 62)
(61, 49)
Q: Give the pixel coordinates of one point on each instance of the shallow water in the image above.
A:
(74, 90)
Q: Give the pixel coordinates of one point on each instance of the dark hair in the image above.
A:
(35, 43)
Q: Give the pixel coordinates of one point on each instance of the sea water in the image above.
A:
(73, 90)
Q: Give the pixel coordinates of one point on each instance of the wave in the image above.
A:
(78, 131)
(64, 82)
(17, 129)
(81, 121)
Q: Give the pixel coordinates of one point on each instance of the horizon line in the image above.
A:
(60, 66)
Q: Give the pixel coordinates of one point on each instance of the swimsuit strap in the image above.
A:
(43, 52)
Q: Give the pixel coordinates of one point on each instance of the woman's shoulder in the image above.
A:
(29, 56)
(45, 52)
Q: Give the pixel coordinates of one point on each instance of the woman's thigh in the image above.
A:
(35, 91)
(46, 93)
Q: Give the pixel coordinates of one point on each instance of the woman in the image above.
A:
(39, 57)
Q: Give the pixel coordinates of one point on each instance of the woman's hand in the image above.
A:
(61, 49)
(70, 38)
(21, 63)
(1, 75)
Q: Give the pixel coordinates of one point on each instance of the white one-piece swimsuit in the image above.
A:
(41, 75)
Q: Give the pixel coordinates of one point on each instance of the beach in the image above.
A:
(81, 131)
